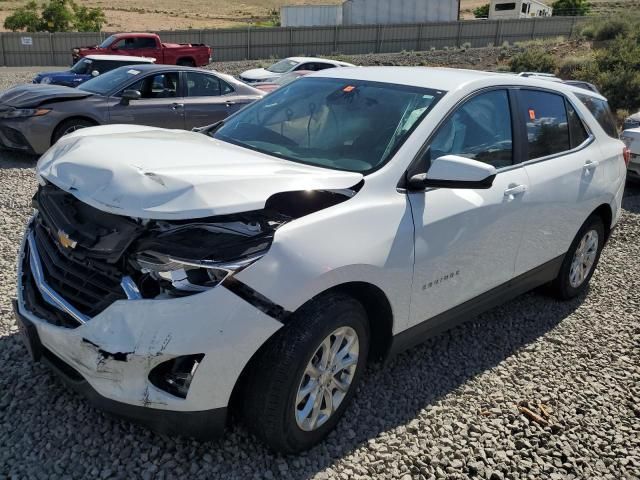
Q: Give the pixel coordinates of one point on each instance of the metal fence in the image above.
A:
(37, 49)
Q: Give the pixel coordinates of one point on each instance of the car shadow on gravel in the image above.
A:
(10, 159)
(390, 395)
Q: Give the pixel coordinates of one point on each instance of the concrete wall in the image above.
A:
(36, 49)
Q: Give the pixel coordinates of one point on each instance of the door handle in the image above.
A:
(228, 103)
(590, 165)
(176, 106)
(514, 190)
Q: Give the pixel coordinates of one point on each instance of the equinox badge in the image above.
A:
(65, 240)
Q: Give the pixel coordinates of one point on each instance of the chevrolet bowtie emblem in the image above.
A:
(65, 240)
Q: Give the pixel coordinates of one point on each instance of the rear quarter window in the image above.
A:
(601, 112)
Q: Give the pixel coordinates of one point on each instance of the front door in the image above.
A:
(160, 105)
(467, 241)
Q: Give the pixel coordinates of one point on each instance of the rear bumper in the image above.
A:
(202, 425)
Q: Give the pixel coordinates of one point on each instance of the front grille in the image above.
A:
(90, 287)
(34, 302)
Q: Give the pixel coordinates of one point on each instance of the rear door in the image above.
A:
(208, 99)
(567, 172)
(161, 103)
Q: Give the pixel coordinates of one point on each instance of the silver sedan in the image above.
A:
(34, 117)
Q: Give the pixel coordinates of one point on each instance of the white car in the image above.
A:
(291, 64)
(631, 138)
(632, 121)
(260, 265)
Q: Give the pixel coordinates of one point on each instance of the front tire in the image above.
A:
(581, 260)
(306, 375)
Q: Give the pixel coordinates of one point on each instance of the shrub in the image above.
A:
(615, 70)
(482, 11)
(55, 16)
(571, 67)
(533, 60)
(571, 7)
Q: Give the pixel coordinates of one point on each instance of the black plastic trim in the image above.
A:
(467, 311)
(256, 299)
(425, 182)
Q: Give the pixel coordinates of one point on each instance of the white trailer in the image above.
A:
(500, 9)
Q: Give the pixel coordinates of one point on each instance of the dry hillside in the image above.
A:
(124, 15)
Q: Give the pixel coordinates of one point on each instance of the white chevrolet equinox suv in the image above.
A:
(260, 263)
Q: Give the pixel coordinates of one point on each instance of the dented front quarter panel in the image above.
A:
(116, 350)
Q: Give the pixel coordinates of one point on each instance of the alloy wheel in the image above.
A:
(584, 258)
(327, 378)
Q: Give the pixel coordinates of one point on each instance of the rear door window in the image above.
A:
(602, 113)
(577, 131)
(202, 85)
(545, 116)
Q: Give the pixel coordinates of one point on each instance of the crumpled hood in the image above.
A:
(259, 74)
(147, 172)
(33, 95)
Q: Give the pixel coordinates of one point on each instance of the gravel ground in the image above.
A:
(446, 409)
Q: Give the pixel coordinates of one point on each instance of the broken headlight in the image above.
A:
(178, 260)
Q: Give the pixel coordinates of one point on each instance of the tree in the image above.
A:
(55, 16)
(24, 18)
(571, 7)
(88, 19)
(482, 11)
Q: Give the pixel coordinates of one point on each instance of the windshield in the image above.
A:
(107, 82)
(107, 41)
(282, 66)
(342, 124)
(82, 66)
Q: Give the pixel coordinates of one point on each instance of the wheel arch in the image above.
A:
(606, 214)
(71, 117)
(187, 58)
(380, 316)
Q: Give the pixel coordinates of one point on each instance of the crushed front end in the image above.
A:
(145, 317)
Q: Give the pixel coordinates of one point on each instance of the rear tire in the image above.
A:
(580, 261)
(69, 126)
(305, 376)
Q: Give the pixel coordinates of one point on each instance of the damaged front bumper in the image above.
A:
(109, 357)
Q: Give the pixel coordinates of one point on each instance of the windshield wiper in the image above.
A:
(208, 129)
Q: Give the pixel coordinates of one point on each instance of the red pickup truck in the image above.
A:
(149, 45)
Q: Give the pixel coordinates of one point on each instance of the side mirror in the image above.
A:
(95, 73)
(453, 171)
(129, 95)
